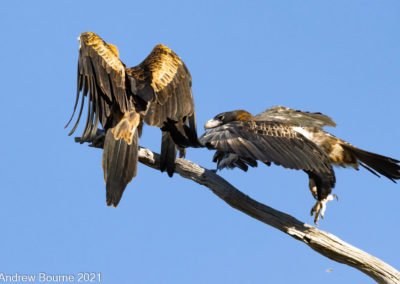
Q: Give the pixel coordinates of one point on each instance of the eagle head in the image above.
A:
(227, 117)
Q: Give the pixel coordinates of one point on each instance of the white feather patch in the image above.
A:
(309, 135)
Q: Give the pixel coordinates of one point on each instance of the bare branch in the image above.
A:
(320, 241)
(323, 242)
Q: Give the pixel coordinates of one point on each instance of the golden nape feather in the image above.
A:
(244, 115)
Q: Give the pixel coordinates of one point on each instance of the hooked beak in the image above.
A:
(212, 123)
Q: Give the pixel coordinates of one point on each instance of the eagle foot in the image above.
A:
(320, 207)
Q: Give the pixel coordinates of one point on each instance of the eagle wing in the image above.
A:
(162, 84)
(157, 91)
(268, 142)
(163, 95)
(101, 77)
(295, 117)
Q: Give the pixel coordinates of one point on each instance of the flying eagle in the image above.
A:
(292, 139)
(157, 92)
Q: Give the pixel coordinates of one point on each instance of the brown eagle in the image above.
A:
(292, 139)
(157, 92)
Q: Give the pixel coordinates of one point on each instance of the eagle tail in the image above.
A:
(168, 154)
(183, 134)
(191, 131)
(120, 161)
(385, 166)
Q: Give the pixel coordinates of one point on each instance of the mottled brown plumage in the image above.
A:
(157, 92)
(241, 139)
(340, 152)
(293, 139)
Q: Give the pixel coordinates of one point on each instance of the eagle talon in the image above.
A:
(293, 139)
(320, 207)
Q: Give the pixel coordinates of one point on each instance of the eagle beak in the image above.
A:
(212, 123)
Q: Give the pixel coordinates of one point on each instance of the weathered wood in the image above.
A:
(320, 241)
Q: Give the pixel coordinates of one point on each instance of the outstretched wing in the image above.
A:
(163, 95)
(101, 77)
(295, 117)
(163, 86)
(268, 142)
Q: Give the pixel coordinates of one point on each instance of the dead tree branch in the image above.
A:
(320, 241)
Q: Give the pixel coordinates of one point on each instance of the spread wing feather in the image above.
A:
(158, 89)
(163, 83)
(268, 142)
(295, 117)
(101, 76)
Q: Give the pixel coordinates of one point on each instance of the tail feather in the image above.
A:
(120, 161)
(184, 134)
(191, 131)
(168, 154)
(385, 166)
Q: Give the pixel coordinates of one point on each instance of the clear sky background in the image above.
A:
(341, 58)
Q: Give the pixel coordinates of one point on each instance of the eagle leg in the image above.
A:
(320, 207)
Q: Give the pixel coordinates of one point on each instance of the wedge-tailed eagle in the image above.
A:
(156, 92)
(293, 139)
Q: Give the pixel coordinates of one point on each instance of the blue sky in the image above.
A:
(340, 58)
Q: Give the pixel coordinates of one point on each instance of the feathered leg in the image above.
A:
(320, 187)
(168, 154)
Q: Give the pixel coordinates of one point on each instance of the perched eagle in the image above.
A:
(292, 139)
(157, 92)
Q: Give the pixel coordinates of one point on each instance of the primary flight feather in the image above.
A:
(156, 92)
(293, 139)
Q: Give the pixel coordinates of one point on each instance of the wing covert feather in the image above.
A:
(296, 117)
(170, 95)
(101, 76)
(268, 142)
